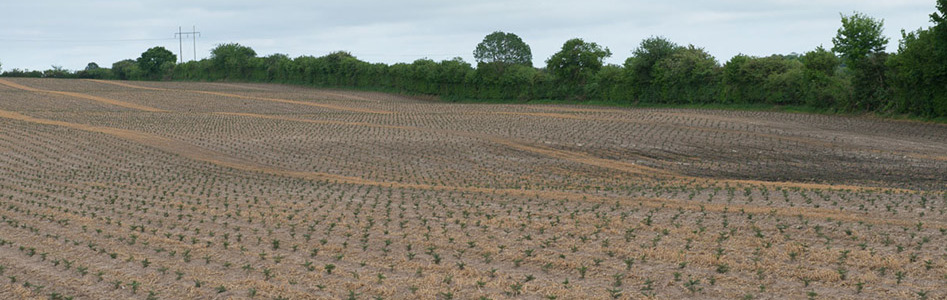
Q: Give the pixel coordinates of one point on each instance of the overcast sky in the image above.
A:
(69, 33)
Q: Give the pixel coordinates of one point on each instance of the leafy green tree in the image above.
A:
(57, 72)
(193, 70)
(821, 60)
(939, 18)
(918, 71)
(749, 79)
(515, 83)
(690, 75)
(156, 61)
(919, 74)
(785, 86)
(576, 63)
(497, 54)
(859, 36)
(609, 84)
(126, 69)
(232, 61)
(305, 69)
(823, 89)
(639, 67)
(939, 77)
(452, 74)
(399, 77)
(503, 49)
(861, 43)
(278, 67)
(343, 69)
(93, 71)
(423, 76)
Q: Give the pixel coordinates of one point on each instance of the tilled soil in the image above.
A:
(176, 190)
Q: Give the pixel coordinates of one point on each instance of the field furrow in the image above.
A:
(171, 190)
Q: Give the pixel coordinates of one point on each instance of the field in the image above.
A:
(167, 190)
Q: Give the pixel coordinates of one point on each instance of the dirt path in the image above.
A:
(321, 105)
(84, 96)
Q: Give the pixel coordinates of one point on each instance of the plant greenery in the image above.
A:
(854, 75)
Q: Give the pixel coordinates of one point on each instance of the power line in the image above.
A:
(181, 35)
(81, 41)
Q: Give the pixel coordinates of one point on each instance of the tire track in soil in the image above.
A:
(802, 140)
(221, 94)
(230, 85)
(572, 156)
(578, 109)
(561, 154)
(197, 153)
(84, 96)
(810, 141)
(807, 141)
(321, 105)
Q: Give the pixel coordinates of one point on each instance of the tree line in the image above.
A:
(855, 75)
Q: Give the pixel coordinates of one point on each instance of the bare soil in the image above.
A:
(172, 190)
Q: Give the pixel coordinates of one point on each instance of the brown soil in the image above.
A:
(376, 195)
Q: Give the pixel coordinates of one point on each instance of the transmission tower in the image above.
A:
(180, 34)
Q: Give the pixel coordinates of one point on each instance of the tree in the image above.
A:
(823, 89)
(232, 60)
(503, 49)
(92, 70)
(919, 69)
(451, 77)
(749, 79)
(940, 22)
(939, 30)
(690, 75)
(640, 66)
(609, 84)
(278, 67)
(861, 44)
(56, 72)
(859, 36)
(939, 79)
(576, 63)
(125, 69)
(820, 60)
(156, 61)
(423, 75)
(919, 75)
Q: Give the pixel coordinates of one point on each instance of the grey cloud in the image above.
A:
(37, 34)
